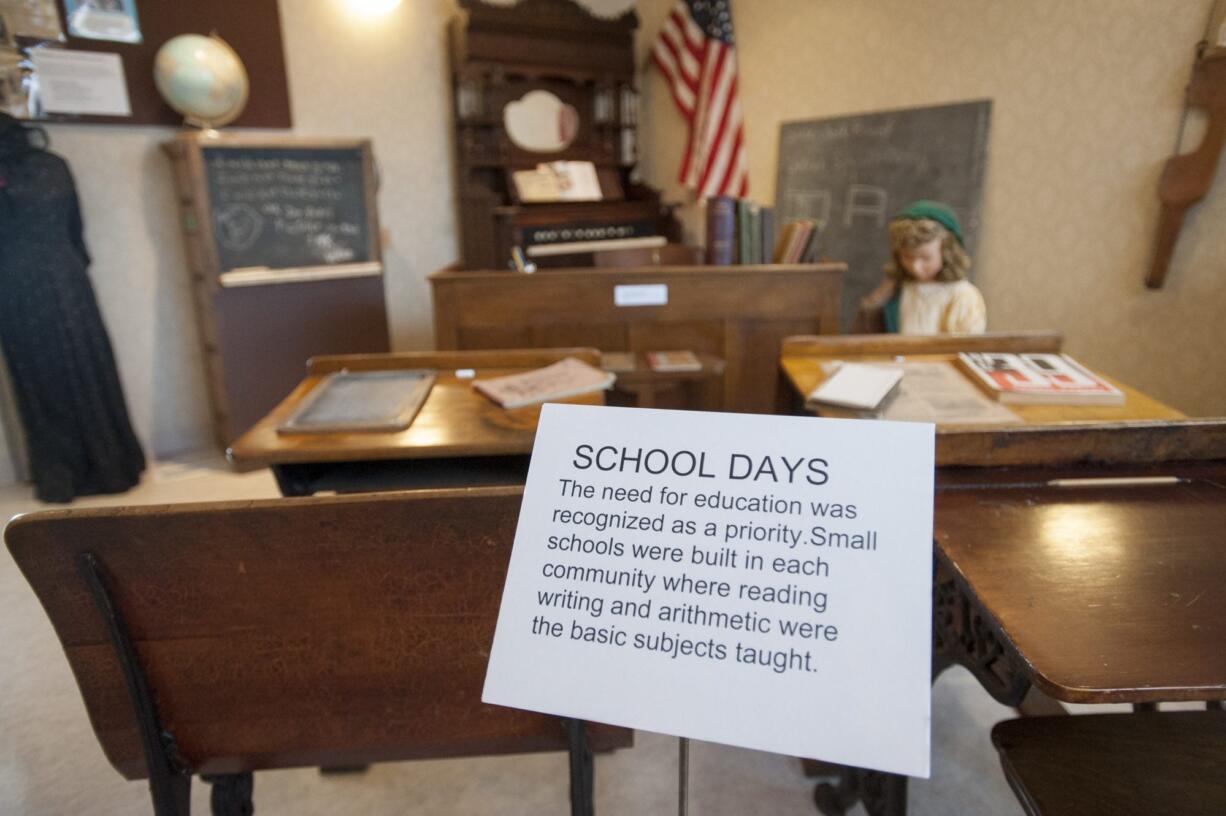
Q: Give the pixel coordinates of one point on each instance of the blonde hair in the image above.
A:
(907, 233)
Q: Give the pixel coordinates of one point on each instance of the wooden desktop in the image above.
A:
(458, 439)
(1043, 434)
(740, 314)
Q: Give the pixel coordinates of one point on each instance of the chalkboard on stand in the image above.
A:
(852, 173)
(283, 245)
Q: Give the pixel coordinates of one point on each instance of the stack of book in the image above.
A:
(740, 231)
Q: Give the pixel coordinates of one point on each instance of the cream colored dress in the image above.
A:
(938, 307)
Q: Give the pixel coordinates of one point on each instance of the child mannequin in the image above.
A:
(925, 290)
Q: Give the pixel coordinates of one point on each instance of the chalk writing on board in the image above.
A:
(288, 207)
(238, 226)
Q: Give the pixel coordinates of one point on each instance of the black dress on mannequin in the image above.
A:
(77, 430)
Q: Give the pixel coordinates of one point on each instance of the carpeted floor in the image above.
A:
(50, 763)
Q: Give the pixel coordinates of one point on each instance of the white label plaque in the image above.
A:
(81, 82)
(641, 294)
(752, 580)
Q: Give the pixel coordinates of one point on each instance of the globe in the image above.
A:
(202, 78)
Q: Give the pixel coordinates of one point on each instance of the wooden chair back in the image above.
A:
(294, 632)
(868, 345)
(667, 255)
(443, 360)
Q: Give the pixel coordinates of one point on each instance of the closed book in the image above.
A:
(1051, 379)
(768, 235)
(857, 386)
(800, 240)
(784, 242)
(754, 255)
(673, 361)
(721, 226)
(809, 253)
(743, 229)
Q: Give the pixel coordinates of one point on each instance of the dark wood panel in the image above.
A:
(267, 333)
(292, 632)
(598, 335)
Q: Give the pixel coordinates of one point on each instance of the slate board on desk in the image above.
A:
(289, 206)
(852, 173)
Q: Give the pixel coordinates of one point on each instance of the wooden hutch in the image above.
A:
(499, 56)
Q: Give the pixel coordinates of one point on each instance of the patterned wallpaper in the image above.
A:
(1087, 99)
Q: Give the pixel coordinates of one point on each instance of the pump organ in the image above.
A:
(545, 81)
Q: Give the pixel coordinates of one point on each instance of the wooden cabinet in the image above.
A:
(738, 313)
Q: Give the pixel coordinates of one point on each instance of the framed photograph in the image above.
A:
(113, 20)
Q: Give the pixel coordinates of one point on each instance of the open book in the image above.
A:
(1038, 378)
(565, 378)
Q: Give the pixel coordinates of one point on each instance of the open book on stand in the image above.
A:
(565, 378)
(1055, 379)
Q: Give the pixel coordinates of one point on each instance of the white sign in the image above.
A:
(642, 294)
(753, 580)
(81, 82)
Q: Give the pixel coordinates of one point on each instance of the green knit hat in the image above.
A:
(934, 211)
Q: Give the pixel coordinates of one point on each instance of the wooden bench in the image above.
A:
(1119, 764)
(224, 638)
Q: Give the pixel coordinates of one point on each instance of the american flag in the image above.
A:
(696, 55)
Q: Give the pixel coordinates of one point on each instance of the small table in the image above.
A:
(458, 438)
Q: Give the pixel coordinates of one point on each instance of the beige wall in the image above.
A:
(1087, 98)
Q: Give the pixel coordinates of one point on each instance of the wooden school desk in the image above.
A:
(458, 439)
(1098, 583)
(1044, 434)
(1091, 592)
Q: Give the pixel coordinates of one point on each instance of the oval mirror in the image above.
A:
(540, 122)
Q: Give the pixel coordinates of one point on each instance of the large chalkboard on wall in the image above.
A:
(852, 173)
(283, 207)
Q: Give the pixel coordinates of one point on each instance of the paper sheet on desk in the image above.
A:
(937, 392)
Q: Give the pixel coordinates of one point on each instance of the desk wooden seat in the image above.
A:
(458, 439)
(739, 314)
(1043, 435)
(1141, 764)
(284, 633)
